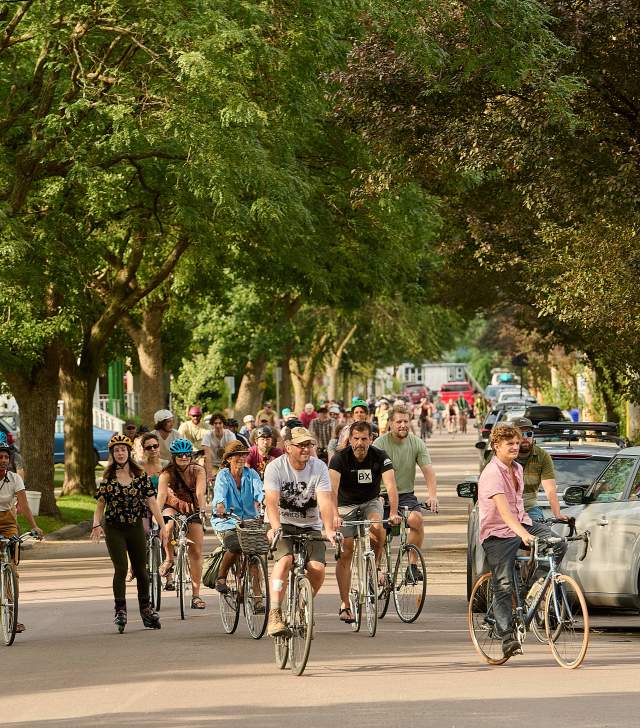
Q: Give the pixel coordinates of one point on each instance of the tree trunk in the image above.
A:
(77, 386)
(249, 397)
(633, 421)
(37, 397)
(299, 390)
(147, 339)
(334, 363)
(285, 385)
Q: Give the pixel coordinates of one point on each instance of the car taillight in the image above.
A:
(485, 430)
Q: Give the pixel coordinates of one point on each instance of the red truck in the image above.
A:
(453, 390)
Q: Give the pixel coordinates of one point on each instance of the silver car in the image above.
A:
(609, 510)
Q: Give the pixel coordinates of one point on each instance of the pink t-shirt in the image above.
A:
(496, 478)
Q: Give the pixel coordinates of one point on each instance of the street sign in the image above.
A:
(277, 373)
(230, 384)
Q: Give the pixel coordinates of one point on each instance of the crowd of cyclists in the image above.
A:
(308, 473)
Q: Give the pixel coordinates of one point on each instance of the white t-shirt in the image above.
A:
(217, 445)
(298, 488)
(165, 454)
(8, 489)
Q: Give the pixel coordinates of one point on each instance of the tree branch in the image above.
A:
(5, 40)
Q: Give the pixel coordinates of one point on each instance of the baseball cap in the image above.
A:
(248, 418)
(334, 410)
(301, 434)
(162, 415)
(522, 423)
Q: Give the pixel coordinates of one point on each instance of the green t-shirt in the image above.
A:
(405, 456)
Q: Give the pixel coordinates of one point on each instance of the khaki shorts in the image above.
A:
(8, 524)
(359, 512)
(315, 549)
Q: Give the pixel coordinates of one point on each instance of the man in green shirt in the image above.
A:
(538, 470)
(406, 451)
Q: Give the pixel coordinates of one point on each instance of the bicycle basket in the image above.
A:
(252, 536)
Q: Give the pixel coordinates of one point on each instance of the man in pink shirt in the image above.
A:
(505, 525)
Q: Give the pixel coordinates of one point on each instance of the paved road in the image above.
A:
(71, 669)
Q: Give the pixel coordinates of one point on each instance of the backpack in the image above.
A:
(210, 565)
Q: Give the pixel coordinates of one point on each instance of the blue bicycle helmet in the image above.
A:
(181, 446)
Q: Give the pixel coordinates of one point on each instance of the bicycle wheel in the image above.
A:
(180, 576)
(482, 626)
(281, 645)
(256, 595)
(302, 627)
(355, 605)
(154, 557)
(371, 595)
(384, 589)
(230, 602)
(566, 621)
(538, 621)
(9, 605)
(409, 590)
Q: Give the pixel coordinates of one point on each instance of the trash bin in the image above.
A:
(33, 499)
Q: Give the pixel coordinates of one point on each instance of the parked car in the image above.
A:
(100, 442)
(415, 392)
(609, 510)
(452, 390)
(9, 425)
(578, 458)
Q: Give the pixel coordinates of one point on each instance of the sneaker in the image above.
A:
(414, 573)
(510, 647)
(276, 626)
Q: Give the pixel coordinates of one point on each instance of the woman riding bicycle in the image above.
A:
(239, 489)
(181, 489)
(123, 497)
(12, 492)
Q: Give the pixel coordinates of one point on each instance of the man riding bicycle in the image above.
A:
(356, 473)
(505, 525)
(406, 450)
(299, 501)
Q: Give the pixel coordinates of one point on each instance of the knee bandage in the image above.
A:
(277, 584)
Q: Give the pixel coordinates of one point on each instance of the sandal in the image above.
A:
(197, 603)
(347, 620)
(221, 586)
(166, 567)
(20, 628)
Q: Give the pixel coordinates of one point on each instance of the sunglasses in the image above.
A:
(528, 434)
(152, 447)
(302, 446)
(133, 428)
(183, 457)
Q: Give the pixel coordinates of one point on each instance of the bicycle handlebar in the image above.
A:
(22, 538)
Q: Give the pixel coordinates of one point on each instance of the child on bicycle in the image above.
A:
(505, 525)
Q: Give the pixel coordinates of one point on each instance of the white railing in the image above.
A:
(101, 418)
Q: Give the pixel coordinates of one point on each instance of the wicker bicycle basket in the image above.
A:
(252, 536)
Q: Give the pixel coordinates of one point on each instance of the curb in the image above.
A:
(70, 532)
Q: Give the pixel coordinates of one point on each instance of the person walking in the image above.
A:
(123, 496)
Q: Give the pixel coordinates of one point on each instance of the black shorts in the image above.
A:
(405, 500)
(168, 518)
(230, 540)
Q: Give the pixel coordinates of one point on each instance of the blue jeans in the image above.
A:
(535, 513)
(501, 555)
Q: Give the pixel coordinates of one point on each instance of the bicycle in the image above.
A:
(363, 589)
(408, 592)
(295, 645)
(9, 583)
(558, 602)
(182, 571)
(247, 580)
(154, 559)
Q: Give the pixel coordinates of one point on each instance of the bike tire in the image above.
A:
(409, 594)
(256, 571)
(355, 604)
(481, 625)
(384, 590)
(9, 605)
(229, 603)
(302, 627)
(567, 622)
(281, 645)
(155, 582)
(371, 595)
(179, 581)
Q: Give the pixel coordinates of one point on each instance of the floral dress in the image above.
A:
(126, 505)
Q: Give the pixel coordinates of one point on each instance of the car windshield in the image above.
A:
(455, 387)
(611, 485)
(577, 471)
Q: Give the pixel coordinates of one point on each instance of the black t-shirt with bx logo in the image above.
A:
(359, 481)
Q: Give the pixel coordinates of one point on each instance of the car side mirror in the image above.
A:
(481, 445)
(574, 495)
(467, 489)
